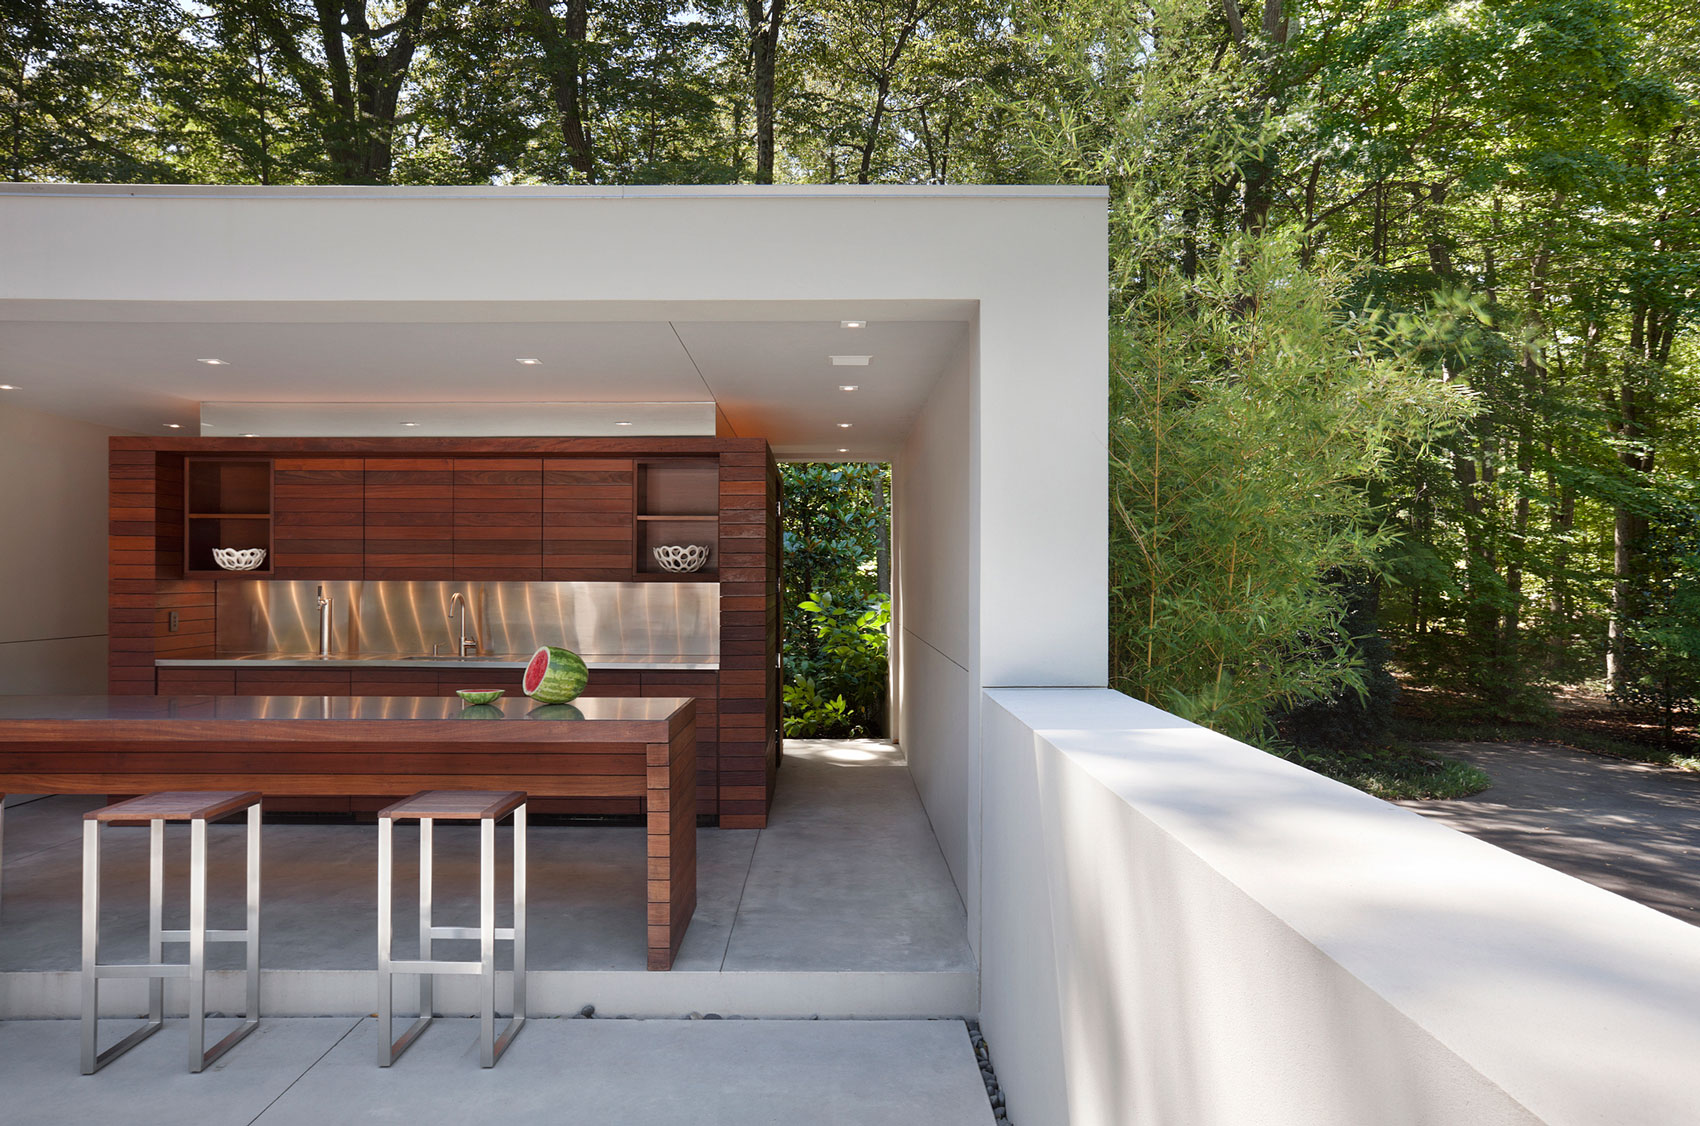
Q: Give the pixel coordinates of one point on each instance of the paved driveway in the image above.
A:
(1630, 828)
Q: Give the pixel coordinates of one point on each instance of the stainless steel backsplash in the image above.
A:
(371, 618)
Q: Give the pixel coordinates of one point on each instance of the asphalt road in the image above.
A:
(1627, 827)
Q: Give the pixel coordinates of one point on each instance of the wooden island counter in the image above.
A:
(390, 746)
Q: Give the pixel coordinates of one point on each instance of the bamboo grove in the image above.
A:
(1402, 294)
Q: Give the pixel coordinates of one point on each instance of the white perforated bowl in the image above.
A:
(239, 558)
(681, 556)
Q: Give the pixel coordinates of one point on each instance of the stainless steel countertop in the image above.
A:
(594, 661)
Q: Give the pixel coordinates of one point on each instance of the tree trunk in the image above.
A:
(764, 55)
(365, 85)
(882, 89)
(1629, 526)
(562, 41)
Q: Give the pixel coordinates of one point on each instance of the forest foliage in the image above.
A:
(1403, 294)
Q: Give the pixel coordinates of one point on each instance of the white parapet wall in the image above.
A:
(1181, 930)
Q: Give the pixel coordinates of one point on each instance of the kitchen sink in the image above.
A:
(512, 658)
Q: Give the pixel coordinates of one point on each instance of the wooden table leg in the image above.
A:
(671, 816)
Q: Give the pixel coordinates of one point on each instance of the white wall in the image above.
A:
(1181, 929)
(930, 487)
(53, 487)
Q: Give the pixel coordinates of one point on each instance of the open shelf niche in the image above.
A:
(227, 502)
(678, 502)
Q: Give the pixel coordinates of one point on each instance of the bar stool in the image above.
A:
(197, 808)
(486, 807)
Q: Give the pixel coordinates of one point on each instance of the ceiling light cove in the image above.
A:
(853, 324)
(213, 360)
(850, 361)
(527, 360)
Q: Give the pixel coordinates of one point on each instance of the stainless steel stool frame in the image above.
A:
(487, 933)
(155, 969)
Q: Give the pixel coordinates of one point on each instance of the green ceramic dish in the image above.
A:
(479, 695)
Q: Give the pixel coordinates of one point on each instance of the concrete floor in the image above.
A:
(632, 1072)
(846, 880)
(1627, 827)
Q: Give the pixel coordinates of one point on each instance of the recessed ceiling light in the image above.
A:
(8, 387)
(623, 422)
(844, 426)
(175, 425)
(250, 435)
(850, 361)
(853, 324)
(214, 360)
(843, 449)
(410, 424)
(527, 360)
(849, 386)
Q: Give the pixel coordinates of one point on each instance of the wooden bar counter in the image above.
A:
(380, 745)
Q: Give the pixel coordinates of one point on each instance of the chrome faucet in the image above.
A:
(324, 624)
(468, 645)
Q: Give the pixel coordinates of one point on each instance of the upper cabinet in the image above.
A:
(409, 517)
(227, 504)
(318, 517)
(587, 519)
(678, 505)
(498, 519)
(473, 518)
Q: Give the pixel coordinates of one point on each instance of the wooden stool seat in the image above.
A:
(197, 808)
(455, 805)
(175, 805)
(486, 807)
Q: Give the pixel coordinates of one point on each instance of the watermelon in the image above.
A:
(555, 675)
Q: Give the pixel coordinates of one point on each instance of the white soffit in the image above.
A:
(449, 420)
(140, 369)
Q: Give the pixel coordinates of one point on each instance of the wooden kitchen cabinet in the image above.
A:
(587, 519)
(498, 519)
(409, 528)
(318, 518)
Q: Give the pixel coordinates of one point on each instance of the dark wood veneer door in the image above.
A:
(409, 517)
(587, 519)
(498, 519)
(318, 518)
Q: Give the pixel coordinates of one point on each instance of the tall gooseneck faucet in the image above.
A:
(324, 624)
(468, 645)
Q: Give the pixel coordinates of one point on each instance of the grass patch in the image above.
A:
(1393, 773)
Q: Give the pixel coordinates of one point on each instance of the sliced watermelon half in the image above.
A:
(555, 675)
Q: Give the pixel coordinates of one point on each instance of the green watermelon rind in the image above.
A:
(564, 676)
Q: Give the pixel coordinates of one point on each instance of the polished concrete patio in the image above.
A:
(843, 906)
(632, 1072)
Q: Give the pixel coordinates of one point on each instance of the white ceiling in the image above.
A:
(770, 378)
